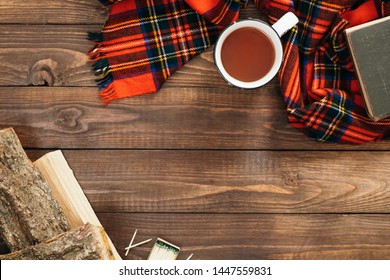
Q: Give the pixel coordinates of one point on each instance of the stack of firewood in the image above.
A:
(32, 223)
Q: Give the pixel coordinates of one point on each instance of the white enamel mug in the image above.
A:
(274, 32)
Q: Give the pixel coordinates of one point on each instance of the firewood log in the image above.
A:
(87, 242)
(28, 212)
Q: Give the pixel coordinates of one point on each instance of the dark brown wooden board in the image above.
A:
(53, 55)
(67, 12)
(232, 181)
(52, 12)
(213, 169)
(186, 118)
(244, 236)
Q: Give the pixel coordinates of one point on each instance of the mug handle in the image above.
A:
(285, 23)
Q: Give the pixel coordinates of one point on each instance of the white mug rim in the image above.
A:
(277, 44)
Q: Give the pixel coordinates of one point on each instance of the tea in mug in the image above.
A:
(247, 54)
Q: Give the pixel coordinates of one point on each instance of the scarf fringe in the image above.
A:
(96, 53)
(101, 68)
(108, 94)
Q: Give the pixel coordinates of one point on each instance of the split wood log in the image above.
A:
(87, 242)
(28, 212)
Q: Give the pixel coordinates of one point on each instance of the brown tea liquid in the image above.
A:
(247, 54)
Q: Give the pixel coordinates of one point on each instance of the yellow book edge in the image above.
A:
(69, 193)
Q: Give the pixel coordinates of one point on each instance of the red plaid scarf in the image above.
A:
(145, 41)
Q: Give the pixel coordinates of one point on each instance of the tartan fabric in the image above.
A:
(145, 41)
(317, 80)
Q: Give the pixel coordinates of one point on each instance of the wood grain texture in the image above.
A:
(68, 12)
(251, 188)
(45, 55)
(52, 12)
(255, 236)
(232, 181)
(185, 118)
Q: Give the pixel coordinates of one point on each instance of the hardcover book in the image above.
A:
(369, 45)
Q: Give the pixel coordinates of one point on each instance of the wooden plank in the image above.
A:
(275, 236)
(52, 12)
(45, 55)
(72, 12)
(232, 181)
(188, 118)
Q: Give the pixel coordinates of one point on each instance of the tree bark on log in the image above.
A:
(87, 242)
(28, 212)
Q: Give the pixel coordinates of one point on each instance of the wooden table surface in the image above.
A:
(215, 170)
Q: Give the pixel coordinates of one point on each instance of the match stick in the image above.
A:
(138, 244)
(131, 242)
(190, 256)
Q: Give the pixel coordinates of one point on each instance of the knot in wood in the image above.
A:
(68, 118)
(43, 73)
(291, 179)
